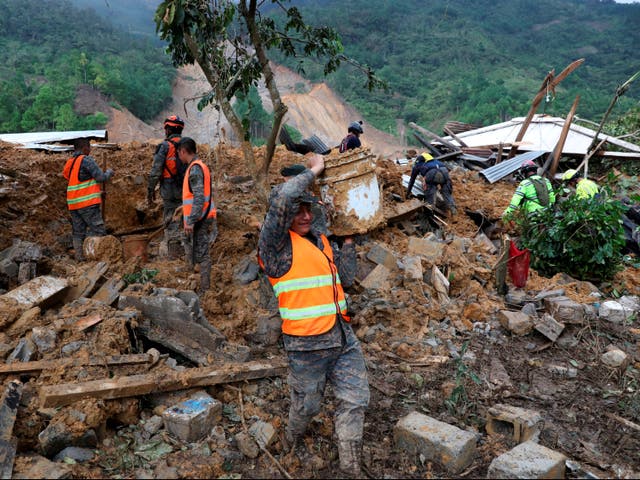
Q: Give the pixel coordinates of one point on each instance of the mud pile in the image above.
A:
(405, 321)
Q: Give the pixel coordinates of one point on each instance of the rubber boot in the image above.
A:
(350, 454)
(205, 276)
(77, 247)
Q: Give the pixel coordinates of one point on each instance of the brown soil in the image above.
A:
(411, 325)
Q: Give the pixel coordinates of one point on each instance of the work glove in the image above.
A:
(109, 173)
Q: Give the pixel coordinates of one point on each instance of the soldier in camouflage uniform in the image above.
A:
(84, 196)
(199, 212)
(333, 355)
(166, 171)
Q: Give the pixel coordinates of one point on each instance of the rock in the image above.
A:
(268, 329)
(103, 249)
(412, 268)
(516, 322)
(23, 352)
(73, 347)
(630, 301)
(548, 327)
(8, 268)
(263, 433)
(549, 293)
(530, 309)
(247, 445)
(436, 441)
(516, 297)
(528, 460)
(36, 466)
(430, 250)
(153, 424)
(381, 256)
(75, 453)
(378, 279)
(565, 310)
(482, 241)
(616, 312)
(24, 323)
(44, 338)
(615, 358)
(163, 470)
(57, 436)
(246, 271)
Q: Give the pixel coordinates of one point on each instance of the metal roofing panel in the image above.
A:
(52, 137)
(502, 169)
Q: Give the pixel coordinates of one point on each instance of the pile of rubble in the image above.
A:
(110, 374)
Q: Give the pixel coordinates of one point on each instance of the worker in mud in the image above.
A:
(435, 175)
(198, 210)
(352, 140)
(584, 188)
(169, 172)
(533, 192)
(84, 195)
(308, 277)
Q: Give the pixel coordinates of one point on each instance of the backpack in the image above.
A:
(542, 192)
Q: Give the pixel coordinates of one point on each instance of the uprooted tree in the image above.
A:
(230, 41)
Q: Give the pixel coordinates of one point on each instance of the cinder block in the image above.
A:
(192, 419)
(437, 441)
(528, 460)
(516, 322)
(565, 310)
(518, 423)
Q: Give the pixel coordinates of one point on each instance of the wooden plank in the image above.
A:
(135, 385)
(8, 411)
(454, 136)
(433, 135)
(22, 368)
(557, 152)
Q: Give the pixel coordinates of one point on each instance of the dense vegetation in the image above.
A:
(48, 48)
(479, 61)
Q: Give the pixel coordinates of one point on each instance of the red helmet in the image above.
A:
(528, 166)
(173, 121)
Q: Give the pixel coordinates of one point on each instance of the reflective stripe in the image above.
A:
(311, 312)
(84, 199)
(303, 283)
(82, 185)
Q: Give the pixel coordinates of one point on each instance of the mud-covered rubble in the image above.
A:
(424, 305)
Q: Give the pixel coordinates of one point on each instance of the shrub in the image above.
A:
(581, 237)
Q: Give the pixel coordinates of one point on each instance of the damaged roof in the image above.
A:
(542, 135)
(40, 140)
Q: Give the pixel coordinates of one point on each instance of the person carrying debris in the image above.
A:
(308, 276)
(169, 172)
(84, 194)
(434, 174)
(352, 140)
(533, 193)
(198, 210)
(584, 187)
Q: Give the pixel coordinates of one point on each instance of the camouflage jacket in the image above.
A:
(158, 163)
(276, 252)
(196, 182)
(89, 169)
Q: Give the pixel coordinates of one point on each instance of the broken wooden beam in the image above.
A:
(22, 368)
(8, 411)
(135, 385)
(434, 136)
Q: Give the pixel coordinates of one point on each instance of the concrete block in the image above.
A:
(430, 250)
(564, 309)
(549, 327)
(263, 433)
(378, 279)
(412, 268)
(528, 460)
(381, 256)
(514, 422)
(192, 419)
(516, 322)
(437, 441)
(615, 312)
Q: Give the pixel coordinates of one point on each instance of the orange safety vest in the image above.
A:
(80, 194)
(310, 294)
(171, 160)
(208, 210)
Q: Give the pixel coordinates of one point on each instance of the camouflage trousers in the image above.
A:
(87, 222)
(432, 179)
(171, 199)
(197, 249)
(344, 368)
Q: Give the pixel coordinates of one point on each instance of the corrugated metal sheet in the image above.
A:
(501, 170)
(543, 134)
(53, 137)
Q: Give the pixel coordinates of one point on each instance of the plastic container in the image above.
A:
(518, 264)
(350, 191)
(135, 246)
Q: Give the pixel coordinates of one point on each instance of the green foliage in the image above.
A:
(581, 237)
(458, 401)
(257, 122)
(478, 61)
(48, 48)
(144, 275)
